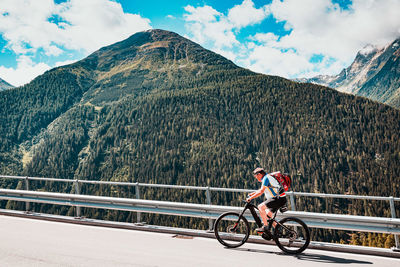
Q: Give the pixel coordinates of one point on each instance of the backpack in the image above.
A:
(283, 179)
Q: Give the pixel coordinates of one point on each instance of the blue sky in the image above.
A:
(289, 38)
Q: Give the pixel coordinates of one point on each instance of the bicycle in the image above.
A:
(290, 234)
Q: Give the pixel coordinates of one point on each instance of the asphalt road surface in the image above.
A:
(27, 242)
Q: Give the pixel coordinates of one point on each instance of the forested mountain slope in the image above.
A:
(159, 108)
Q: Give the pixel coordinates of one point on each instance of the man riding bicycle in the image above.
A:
(291, 235)
(276, 197)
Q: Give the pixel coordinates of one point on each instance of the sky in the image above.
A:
(289, 38)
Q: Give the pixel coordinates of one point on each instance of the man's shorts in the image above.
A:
(273, 204)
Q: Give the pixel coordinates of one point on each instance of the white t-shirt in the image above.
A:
(272, 185)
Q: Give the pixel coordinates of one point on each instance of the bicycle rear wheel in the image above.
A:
(292, 236)
(231, 230)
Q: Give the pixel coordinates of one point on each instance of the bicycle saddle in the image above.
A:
(283, 209)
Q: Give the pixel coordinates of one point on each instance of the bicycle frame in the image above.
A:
(253, 208)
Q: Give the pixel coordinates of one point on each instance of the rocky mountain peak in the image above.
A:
(373, 74)
(154, 48)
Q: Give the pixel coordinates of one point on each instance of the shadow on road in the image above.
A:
(329, 259)
(311, 257)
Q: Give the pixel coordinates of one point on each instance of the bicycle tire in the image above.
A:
(231, 239)
(286, 240)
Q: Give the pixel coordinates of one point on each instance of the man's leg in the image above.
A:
(265, 214)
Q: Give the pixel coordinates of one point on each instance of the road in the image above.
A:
(27, 242)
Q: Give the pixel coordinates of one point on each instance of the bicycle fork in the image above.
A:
(237, 222)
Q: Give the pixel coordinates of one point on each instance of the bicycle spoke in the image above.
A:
(292, 235)
(230, 230)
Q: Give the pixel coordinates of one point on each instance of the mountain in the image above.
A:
(5, 85)
(375, 73)
(158, 108)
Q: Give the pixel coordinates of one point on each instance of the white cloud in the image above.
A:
(36, 26)
(63, 63)
(84, 25)
(273, 61)
(92, 24)
(266, 54)
(24, 24)
(226, 53)
(25, 71)
(203, 14)
(321, 27)
(246, 14)
(207, 25)
(269, 38)
(53, 50)
(314, 28)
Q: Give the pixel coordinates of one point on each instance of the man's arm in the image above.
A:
(257, 193)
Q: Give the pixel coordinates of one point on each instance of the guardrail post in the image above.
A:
(137, 192)
(77, 191)
(396, 237)
(292, 204)
(210, 221)
(27, 204)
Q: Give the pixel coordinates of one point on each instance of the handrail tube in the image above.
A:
(323, 195)
(218, 189)
(174, 186)
(144, 185)
(13, 177)
(106, 183)
(234, 190)
(38, 178)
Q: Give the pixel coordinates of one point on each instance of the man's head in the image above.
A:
(259, 173)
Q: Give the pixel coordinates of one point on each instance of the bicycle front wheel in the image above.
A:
(292, 235)
(231, 230)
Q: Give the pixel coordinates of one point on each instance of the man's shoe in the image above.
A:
(262, 229)
(267, 235)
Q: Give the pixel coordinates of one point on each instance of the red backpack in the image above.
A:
(284, 179)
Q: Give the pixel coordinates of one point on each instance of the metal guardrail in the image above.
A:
(318, 220)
